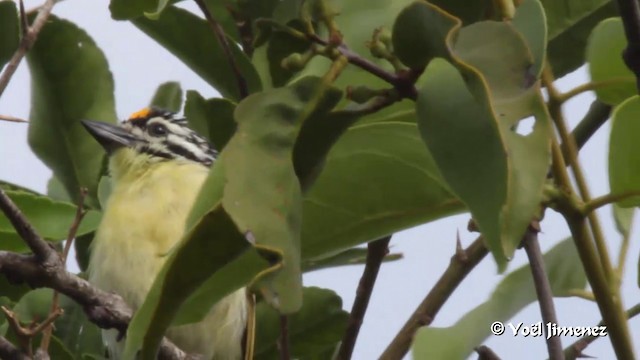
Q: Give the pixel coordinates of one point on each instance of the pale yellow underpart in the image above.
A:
(144, 218)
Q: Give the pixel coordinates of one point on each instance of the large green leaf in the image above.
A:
(624, 151)
(9, 31)
(190, 38)
(604, 56)
(211, 118)
(168, 96)
(570, 22)
(514, 293)
(51, 219)
(467, 111)
(316, 328)
(378, 179)
(71, 81)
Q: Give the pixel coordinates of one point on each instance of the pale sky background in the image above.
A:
(139, 66)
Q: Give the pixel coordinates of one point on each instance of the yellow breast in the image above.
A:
(144, 218)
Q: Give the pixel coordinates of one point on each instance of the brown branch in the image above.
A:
(485, 353)
(543, 290)
(218, 31)
(10, 118)
(403, 82)
(283, 340)
(107, 310)
(376, 251)
(10, 352)
(461, 265)
(28, 39)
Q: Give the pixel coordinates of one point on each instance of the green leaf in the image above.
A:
(51, 219)
(56, 190)
(570, 22)
(425, 24)
(530, 21)
(355, 256)
(384, 157)
(9, 31)
(211, 118)
(11, 291)
(623, 218)
(624, 151)
(467, 112)
(168, 96)
(604, 56)
(7, 186)
(318, 326)
(71, 81)
(79, 335)
(513, 294)
(190, 38)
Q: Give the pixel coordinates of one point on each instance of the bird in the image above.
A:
(157, 166)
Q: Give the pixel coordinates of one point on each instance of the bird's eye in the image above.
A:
(157, 130)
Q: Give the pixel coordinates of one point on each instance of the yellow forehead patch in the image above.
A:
(140, 114)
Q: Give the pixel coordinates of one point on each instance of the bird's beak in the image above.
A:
(111, 137)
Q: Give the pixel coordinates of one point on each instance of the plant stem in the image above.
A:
(607, 199)
(555, 111)
(283, 340)
(376, 251)
(460, 266)
(543, 290)
(218, 31)
(589, 86)
(28, 39)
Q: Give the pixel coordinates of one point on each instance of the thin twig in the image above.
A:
(575, 350)
(543, 290)
(629, 11)
(73, 229)
(249, 347)
(10, 118)
(283, 340)
(607, 199)
(43, 251)
(592, 85)
(218, 31)
(376, 251)
(10, 352)
(28, 39)
(461, 265)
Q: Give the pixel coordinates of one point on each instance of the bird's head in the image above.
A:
(151, 136)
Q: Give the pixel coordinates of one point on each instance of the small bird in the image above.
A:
(157, 165)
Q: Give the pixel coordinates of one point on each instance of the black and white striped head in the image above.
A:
(158, 133)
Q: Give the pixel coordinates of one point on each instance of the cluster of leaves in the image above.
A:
(310, 173)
